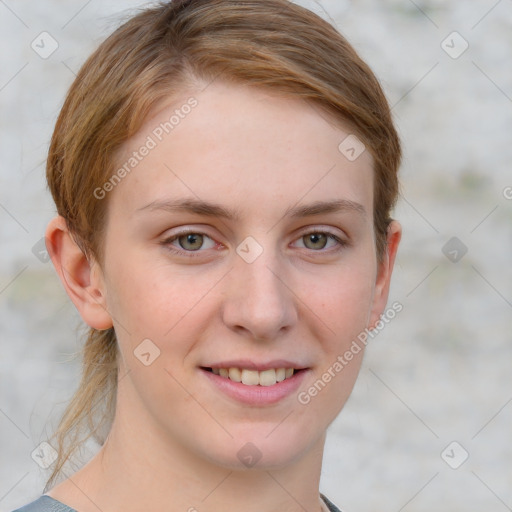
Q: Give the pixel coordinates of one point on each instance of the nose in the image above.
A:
(259, 303)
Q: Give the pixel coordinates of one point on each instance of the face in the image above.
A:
(240, 246)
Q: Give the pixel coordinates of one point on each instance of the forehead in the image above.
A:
(244, 146)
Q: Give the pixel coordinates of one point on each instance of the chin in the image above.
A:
(263, 449)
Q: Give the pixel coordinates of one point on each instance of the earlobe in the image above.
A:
(384, 272)
(82, 279)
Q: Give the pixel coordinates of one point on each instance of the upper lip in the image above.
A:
(252, 365)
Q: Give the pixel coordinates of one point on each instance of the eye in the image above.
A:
(190, 241)
(318, 240)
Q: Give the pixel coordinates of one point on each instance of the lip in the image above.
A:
(256, 396)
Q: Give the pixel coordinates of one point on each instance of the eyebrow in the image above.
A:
(209, 209)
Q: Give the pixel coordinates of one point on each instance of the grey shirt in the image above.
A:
(48, 504)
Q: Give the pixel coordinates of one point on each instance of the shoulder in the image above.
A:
(45, 504)
(48, 504)
(330, 505)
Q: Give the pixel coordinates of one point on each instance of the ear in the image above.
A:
(385, 269)
(82, 279)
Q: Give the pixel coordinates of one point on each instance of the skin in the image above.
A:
(175, 437)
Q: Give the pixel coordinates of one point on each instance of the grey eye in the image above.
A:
(315, 240)
(191, 241)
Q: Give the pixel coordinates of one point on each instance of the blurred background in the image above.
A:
(428, 425)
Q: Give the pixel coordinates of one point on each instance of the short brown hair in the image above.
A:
(266, 43)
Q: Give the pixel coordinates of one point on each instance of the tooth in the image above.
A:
(215, 371)
(235, 374)
(250, 377)
(280, 374)
(268, 377)
(289, 372)
(223, 372)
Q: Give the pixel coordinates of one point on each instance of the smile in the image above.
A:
(250, 377)
(256, 386)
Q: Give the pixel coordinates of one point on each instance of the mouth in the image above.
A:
(253, 377)
(256, 383)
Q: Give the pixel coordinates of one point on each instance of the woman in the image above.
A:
(224, 173)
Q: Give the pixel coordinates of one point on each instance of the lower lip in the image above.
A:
(257, 395)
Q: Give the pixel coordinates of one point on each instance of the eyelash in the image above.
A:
(194, 254)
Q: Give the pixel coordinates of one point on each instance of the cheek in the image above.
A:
(344, 305)
(149, 300)
(344, 299)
